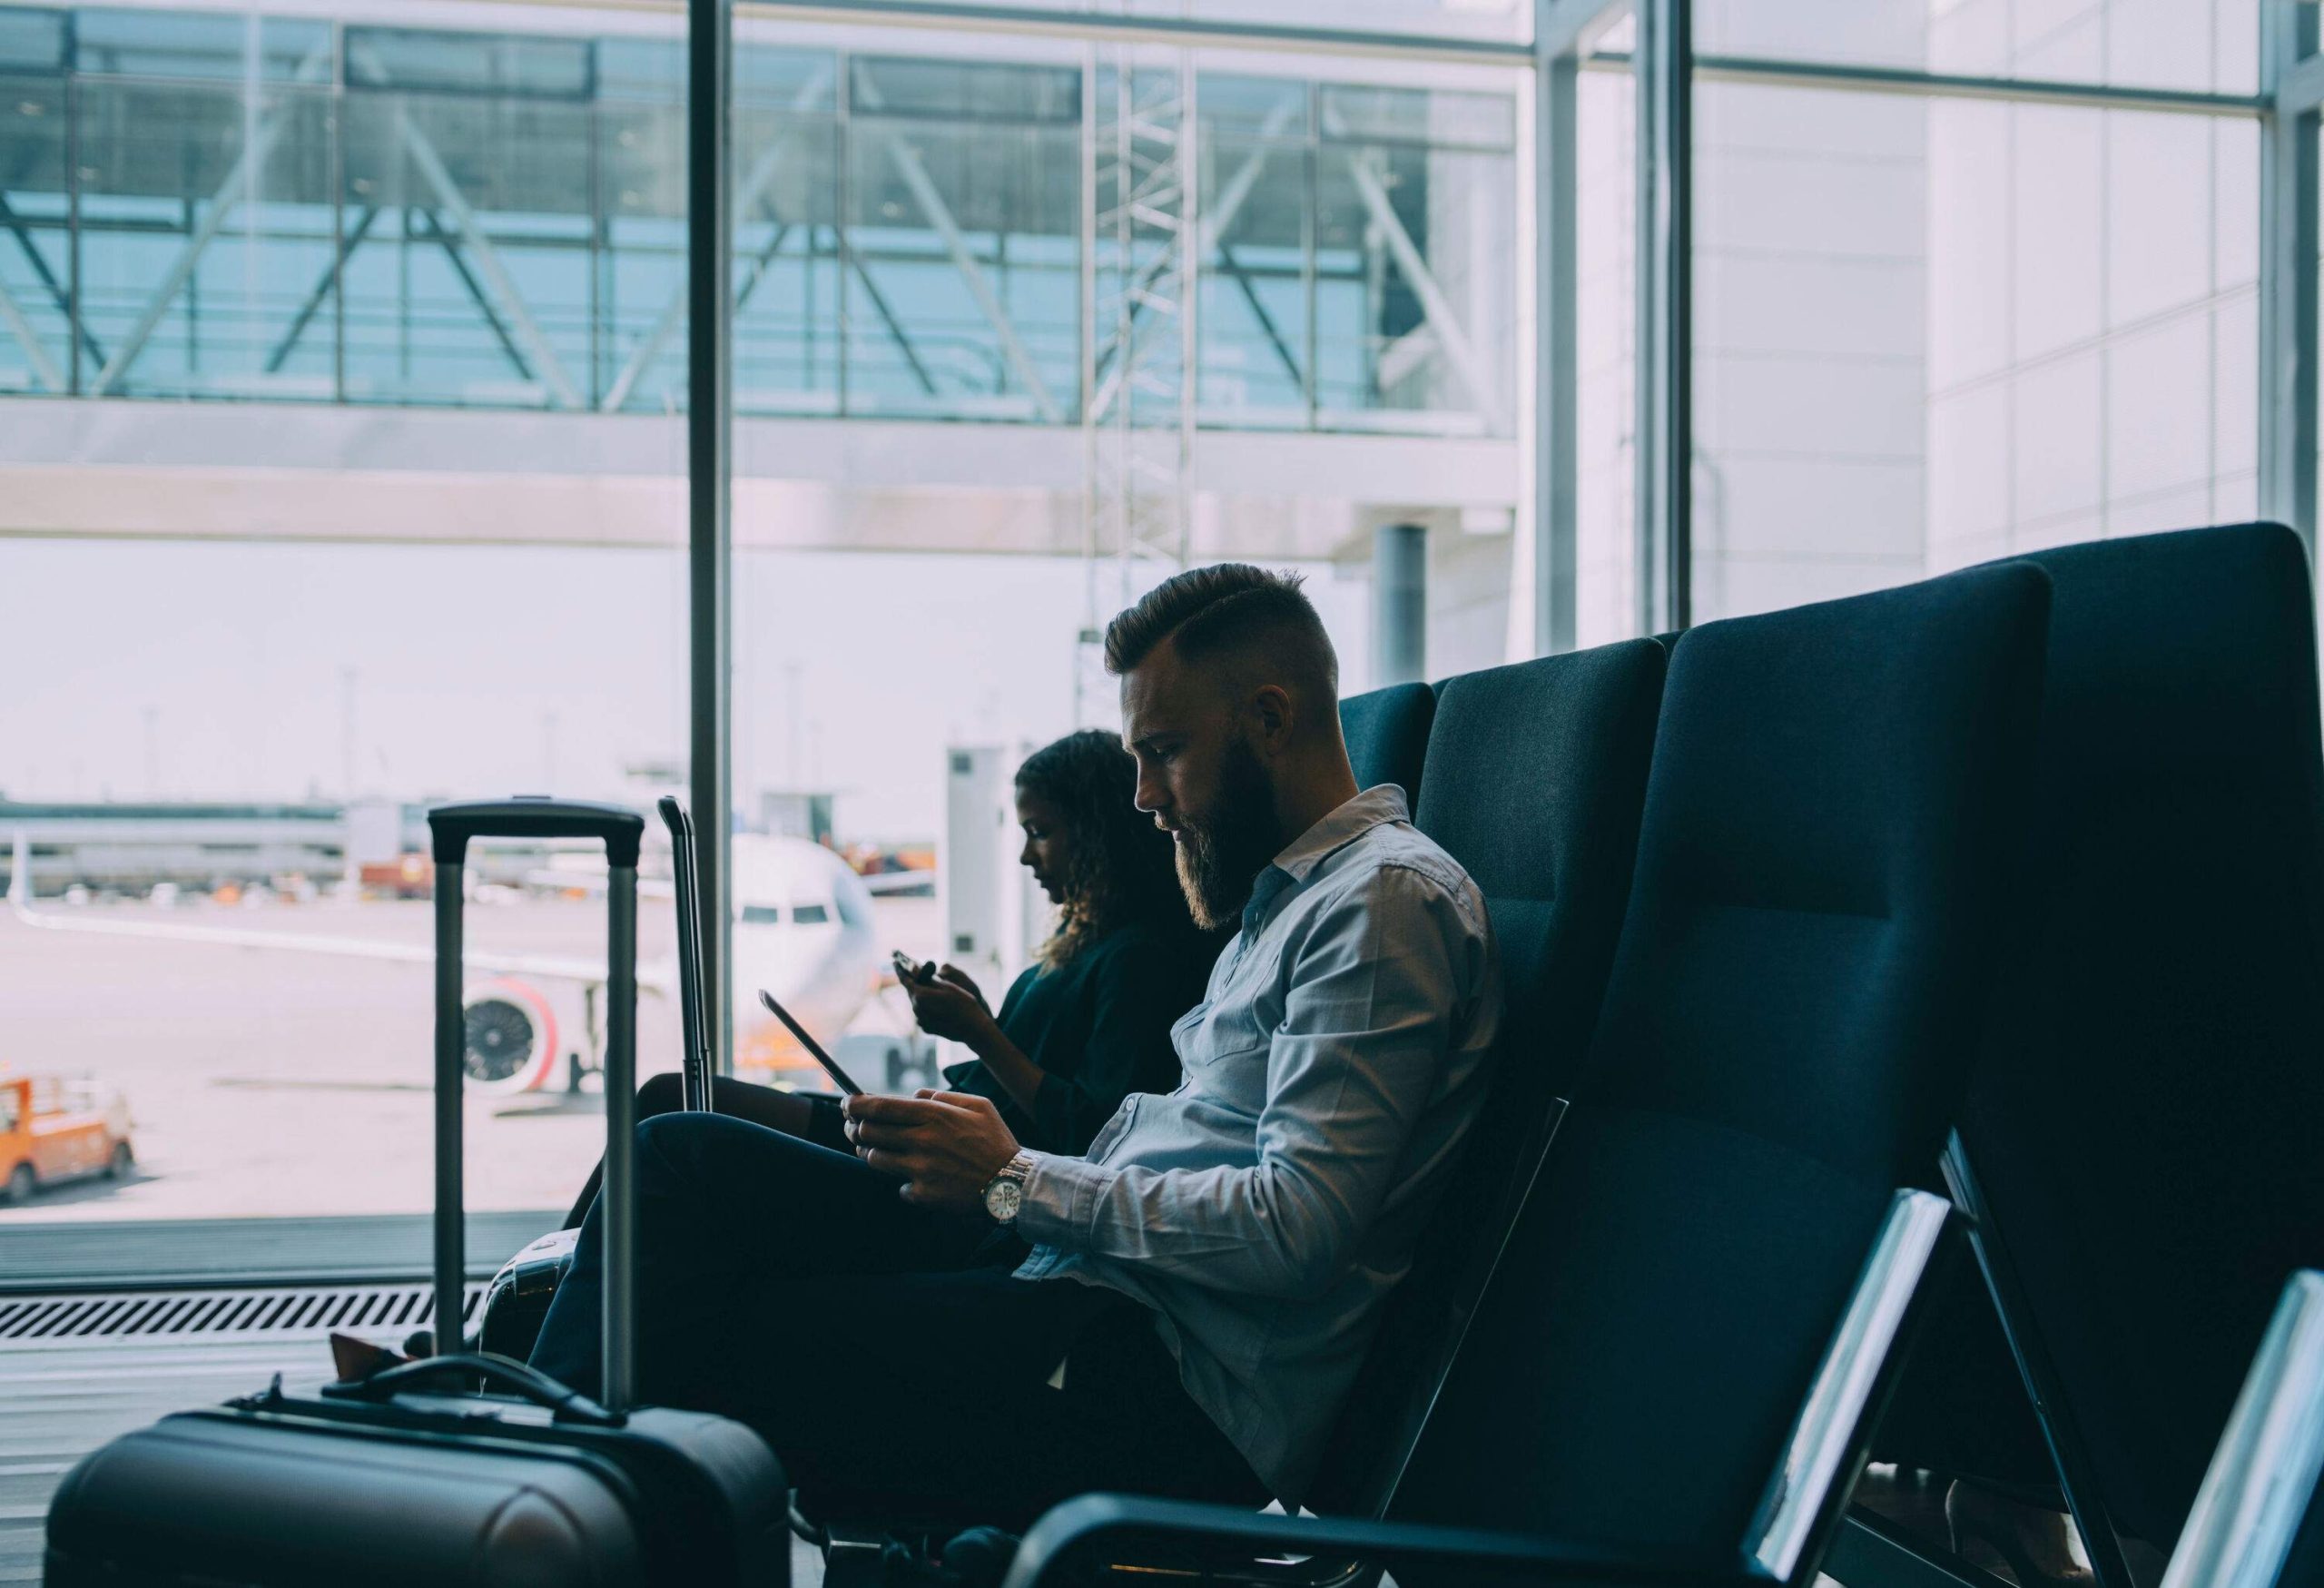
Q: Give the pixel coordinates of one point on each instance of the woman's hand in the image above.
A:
(949, 1006)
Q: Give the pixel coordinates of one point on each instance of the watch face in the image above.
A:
(1001, 1200)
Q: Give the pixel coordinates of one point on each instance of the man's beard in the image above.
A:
(1221, 855)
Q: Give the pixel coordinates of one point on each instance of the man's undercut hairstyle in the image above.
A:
(1230, 608)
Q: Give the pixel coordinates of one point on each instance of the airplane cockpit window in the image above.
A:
(762, 916)
(810, 914)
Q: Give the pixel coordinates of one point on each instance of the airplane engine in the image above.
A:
(511, 1039)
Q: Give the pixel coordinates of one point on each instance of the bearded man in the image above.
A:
(950, 1322)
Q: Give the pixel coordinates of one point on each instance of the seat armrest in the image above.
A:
(1132, 1526)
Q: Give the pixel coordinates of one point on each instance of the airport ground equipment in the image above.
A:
(516, 1300)
(53, 1130)
(412, 1475)
(2138, 1151)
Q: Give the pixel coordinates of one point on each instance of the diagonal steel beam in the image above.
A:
(528, 333)
(1435, 307)
(451, 245)
(1242, 278)
(305, 316)
(222, 203)
(56, 289)
(755, 184)
(12, 316)
(910, 166)
(880, 304)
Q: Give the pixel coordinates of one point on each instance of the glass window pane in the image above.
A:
(472, 283)
(169, 43)
(190, 774)
(2193, 45)
(1415, 286)
(32, 40)
(35, 237)
(789, 260)
(1606, 551)
(1437, 116)
(1932, 332)
(1492, 21)
(389, 57)
(319, 619)
(206, 240)
(963, 275)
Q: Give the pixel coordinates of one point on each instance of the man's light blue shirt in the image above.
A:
(1266, 1208)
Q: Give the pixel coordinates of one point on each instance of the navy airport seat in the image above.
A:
(1651, 1387)
(1387, 735)
(2141, 1137)
(1536, 777)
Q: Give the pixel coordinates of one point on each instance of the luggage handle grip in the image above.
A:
(535, 816)
(524, 1381)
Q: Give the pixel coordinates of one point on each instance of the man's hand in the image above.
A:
(945, 1146)
(949, 1006)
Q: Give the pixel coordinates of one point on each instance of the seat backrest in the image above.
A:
(1537, 774)
(2145, 1118)
(1830, 823)
(1387, 735)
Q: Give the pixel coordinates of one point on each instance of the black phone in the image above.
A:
(815, 1048)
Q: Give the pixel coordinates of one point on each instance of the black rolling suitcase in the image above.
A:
(411, 1477)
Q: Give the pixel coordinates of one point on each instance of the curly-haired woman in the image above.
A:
(1089, 1021)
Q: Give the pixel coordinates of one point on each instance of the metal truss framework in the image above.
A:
(1140, 268)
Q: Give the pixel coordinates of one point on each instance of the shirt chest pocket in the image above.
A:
(1224, 1044)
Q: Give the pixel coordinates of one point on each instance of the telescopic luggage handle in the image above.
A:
(694, 1002)
(623, 833)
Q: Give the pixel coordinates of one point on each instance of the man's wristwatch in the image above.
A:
(1004, 1194)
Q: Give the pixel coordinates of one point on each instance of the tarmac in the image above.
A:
(266, 1082)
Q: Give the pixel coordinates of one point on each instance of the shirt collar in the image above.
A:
(1381, 804)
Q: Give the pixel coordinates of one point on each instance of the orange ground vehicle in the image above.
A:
(52, 1128)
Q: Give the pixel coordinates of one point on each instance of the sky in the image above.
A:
(222, 671)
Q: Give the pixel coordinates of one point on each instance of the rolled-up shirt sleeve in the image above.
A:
(1373, 999)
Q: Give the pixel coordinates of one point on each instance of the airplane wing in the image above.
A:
(904, 881)
(555, 881)
(544, 967)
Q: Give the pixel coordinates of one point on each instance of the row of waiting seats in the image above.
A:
(2010, 882)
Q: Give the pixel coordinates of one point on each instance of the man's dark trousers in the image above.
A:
(885, 1351)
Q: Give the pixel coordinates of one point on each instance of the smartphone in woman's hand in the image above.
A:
(909, 971)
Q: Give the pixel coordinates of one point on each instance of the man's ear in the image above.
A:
(1274, 714)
